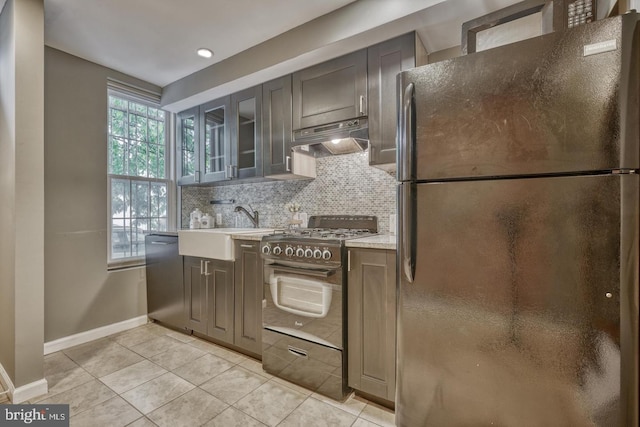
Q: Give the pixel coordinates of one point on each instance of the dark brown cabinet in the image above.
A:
(209, 294)
(332, 91)
(248, 296)
(372, 321)
(215, 142)
(385, 61)
(188, 146)
(246, 133)
(276, 126)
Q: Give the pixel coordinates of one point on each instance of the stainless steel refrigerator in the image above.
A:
(518, 233)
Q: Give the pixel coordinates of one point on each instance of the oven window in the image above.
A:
(304, 297)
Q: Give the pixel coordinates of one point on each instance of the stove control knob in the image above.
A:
(300, 252)
(266, 249)
(317, 254)
(288, 251)
(308, 253)
(326, 254)
(277, 250)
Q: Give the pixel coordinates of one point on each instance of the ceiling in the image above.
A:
(253, 40)
(156, 40)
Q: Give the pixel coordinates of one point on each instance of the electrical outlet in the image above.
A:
(302, 216)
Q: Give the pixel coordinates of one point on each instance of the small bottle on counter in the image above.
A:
(194, 218)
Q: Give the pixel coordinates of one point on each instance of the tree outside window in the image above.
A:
(138, 175)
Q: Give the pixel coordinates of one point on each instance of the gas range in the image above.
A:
(322, 242)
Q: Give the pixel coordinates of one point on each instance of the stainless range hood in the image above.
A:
(346, 137)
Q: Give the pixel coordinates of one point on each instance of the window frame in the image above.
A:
(168, 180)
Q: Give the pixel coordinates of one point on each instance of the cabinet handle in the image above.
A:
(206, 268)
(348, 260)
(297, 352)
(201, 268)
(242, 245)
(287, 164)
(362, 105)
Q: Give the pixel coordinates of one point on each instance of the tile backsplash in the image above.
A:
(344, 184)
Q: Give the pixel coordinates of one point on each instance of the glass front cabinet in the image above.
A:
(187, 143)
(216, 142)
(246, 133)
(221, 140)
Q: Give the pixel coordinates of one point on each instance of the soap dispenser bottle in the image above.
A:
(194, 221)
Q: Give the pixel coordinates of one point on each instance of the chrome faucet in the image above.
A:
(255, 219)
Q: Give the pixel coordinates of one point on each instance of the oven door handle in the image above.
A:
(327, 295)
(303, 271)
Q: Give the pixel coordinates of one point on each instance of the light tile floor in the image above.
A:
(154, 376)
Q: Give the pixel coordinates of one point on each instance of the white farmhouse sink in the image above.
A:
(214, 243)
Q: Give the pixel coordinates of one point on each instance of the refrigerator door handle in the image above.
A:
(408, 231)
(406, 137)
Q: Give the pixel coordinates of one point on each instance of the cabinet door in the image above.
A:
(248, 292)
(246, 133)
(330, 92)
(385, 61)
(195, 294)
(219, 278)
(188, 147)
(276, 126)
(372, 321)
(215, 162)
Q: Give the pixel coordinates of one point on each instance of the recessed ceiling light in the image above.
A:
(204, 52)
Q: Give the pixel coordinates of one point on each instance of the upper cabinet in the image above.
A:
(221, 140)
(276, 125)
(216, 143)
(330, 92)
(385, 61)
(246, 134)
(249, 134)
(278, 160)
(188, 146)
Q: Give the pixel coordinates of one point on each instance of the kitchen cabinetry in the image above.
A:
(203, 143)
(188, 146)
(215, 144)
(221, 140)
(279, 162)
(248, 296)
(246, 133)
(372, 321)
(276, 125)
(209, 297)
(385, 61)
(331, 91)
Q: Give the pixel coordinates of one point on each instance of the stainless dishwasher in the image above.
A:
(165, 289)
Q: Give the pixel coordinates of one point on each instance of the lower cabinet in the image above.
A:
(209, 297)
(223, 299)
(372, 321)
(248, 293)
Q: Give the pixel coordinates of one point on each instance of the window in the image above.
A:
(138, 170)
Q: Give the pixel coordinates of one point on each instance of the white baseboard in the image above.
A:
(25, 392)
(93, 334)
(29, 391)
(6, 382)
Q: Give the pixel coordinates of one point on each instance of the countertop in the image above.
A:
(379, 241)
(249, 236)
(253, 236)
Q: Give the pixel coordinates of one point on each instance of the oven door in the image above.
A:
(304, 302)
